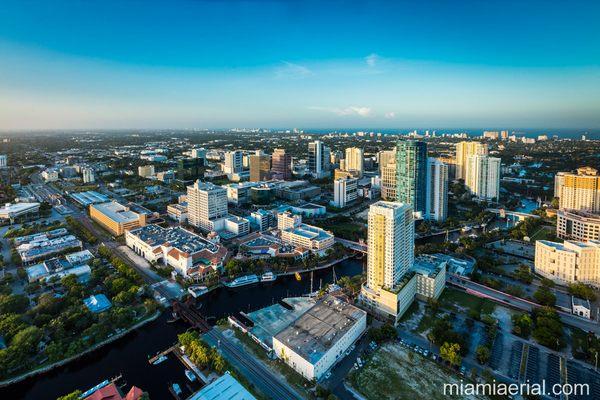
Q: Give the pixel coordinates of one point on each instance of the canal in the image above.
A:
(128, 355)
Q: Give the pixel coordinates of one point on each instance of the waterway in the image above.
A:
(129, 355)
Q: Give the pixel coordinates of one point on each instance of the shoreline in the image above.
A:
(48, 368)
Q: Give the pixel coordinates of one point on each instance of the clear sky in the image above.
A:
(321, 64)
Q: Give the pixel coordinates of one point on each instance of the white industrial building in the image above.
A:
(318, 339)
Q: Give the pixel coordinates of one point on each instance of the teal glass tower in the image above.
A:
(411, 173)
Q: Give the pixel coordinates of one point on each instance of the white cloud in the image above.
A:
(291, 70)
(351, 110)
(390, 115)
(372, 59)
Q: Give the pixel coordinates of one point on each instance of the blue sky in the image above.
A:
(201, 64)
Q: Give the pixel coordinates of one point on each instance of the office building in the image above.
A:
(436, 208)
(569, 262)
(234, 162)
(206, 203)
(483, 177)
(3, 161)
(178, 212)
(146, 171)
(260, 167)
(281, 167)
(287, 220)
(389, 181)
(199, 153)
(463, 151)
(118, 218)
(354, 161)
(263, 220)
(577, 225)
(411, 175)
(578, 191)
(89, 176)
(504, 135)
(319, 157)
(239, 193)
(345, 191)
(314, 342)
(494, 135)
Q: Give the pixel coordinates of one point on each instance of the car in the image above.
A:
(426, 353)
(352, 347)
(328, 375)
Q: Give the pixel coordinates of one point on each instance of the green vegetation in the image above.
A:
(544, 296)
(450, 352)
(71, 396)
(483, 354)
(57, 325)
(383, 334)
(526, 228)
(581, 290)
(81, 231)
(343, 227)
(201, 354)
(548, 329)
(522, 325)
(442, 333)
(27, 229)
(455, 299)
(585, 345)
(523, 274)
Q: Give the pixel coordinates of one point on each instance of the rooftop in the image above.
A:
(97, 303)
(89, 197)
(179, 238)
(116, 212)
(225, 387)
(319, 328)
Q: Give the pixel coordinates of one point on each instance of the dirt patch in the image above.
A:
(394, 374)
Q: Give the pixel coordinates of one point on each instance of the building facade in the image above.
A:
(578, 191)
(463, 151)
(146, 171)
(260, 167)
(345, 191)
(281, 167)
(118, 218)
(411, 175)
(483, 177)
(206, 202)
(577, 225)
(569, 262)
(234, 162)
(436, 208)
(319, 159)
(354, 161)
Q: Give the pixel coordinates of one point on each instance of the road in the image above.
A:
(521, 304)
(254, 370)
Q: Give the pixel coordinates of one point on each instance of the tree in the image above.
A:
(71, 396)
(544, 296)
(14, 303)
(581, 290)
(483, 354)
(548, 329)
(521, 325)
(450, 352)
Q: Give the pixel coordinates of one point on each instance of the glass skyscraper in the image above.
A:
(411, 173)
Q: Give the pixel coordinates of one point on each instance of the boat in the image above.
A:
(190, 375)
(176, 388)
(268, 277)
(466, 229)
(159, 360)
(298, 277)
(242, 281)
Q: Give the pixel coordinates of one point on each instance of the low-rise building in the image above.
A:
(42, 248)
(14, 212)
(97, 303)
(581, 307)
(239, 193)
(262, 220)
(577, 225)
(89, 197)
(224, 387)
(118, 218)
(569, 262)
(178, 212)
(50, 175)
(344, 192)
(238, 226)
(318, 339)
(309, 237)
(189, 254)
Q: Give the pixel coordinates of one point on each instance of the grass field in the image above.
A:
(392, 374)
(456, 300)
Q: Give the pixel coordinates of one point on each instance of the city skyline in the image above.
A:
(274, 64)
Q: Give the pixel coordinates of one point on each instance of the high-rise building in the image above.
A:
(234, 162)
(411, 175)
(345, 191)
(89, 176)
(437, 190)
(389, 181)
(504, 135)
(579, 191)
(199, 153)
(319, 157)
(577, 225)
(494, 135)
(483, 177)
(569, 262)
(463, 151)
(146, 171)
(206, 203)
(282, 165)
(3, 161)
(390, 256)
(260, 167)
(354, 161)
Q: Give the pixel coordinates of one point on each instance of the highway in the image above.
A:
(521, 304)
(257, 373)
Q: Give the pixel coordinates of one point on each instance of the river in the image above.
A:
(128, 355)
